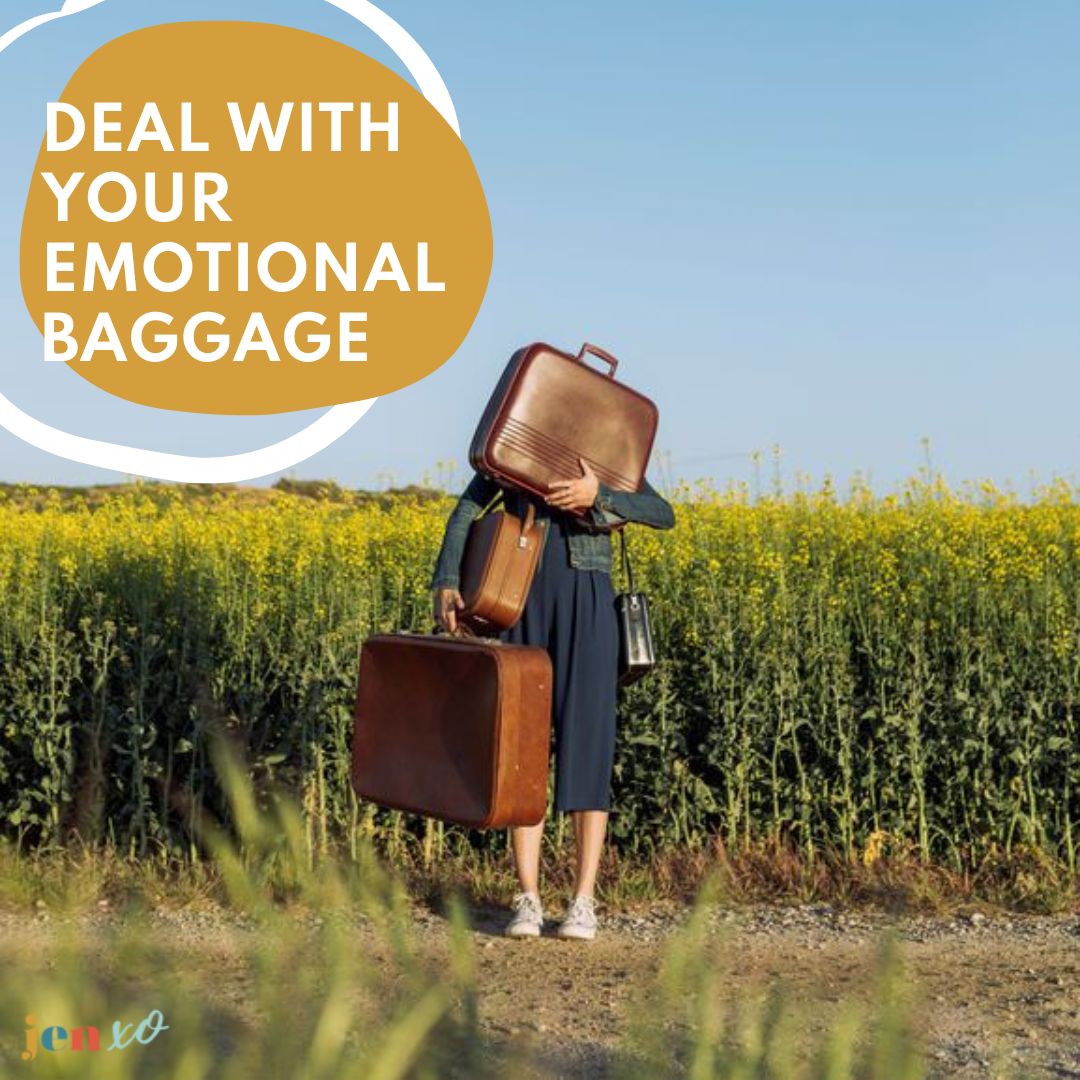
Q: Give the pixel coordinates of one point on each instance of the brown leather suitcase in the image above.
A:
(550, 408)
(498, 567)
(456, 728)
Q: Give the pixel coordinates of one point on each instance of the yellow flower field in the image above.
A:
(848, 673)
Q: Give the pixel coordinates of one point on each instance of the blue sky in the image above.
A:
(836, 227)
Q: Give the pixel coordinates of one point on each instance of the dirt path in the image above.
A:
(986, 990)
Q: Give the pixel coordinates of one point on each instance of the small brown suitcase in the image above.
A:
(550, 408)
(497, 569)
(456, 728)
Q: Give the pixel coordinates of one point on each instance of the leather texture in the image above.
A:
(636, 654)
(455, 728)
(550, 408)
(637, 657)
(497, 569)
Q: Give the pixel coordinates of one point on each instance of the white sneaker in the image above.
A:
(580, 921)
(528, 916)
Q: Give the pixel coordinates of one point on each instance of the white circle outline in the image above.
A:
(229, 468)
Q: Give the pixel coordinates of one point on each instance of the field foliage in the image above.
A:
(848, 674)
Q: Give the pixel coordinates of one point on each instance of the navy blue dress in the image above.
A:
(571, 613)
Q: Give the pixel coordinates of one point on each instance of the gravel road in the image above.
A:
(987, 990)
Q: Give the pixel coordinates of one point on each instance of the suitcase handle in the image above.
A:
(602, 354)
(463, 632)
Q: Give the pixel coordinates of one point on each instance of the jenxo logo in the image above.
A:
(293, 227)
(55, 1038)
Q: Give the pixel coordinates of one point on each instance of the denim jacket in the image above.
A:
(589, 535)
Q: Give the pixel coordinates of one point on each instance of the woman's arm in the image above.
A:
(647, 507)
(602, 508)
(479, 492)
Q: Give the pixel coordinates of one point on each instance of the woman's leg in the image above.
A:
(590, 827)
(526, 840)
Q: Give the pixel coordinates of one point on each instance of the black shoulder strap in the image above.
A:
(626, 562)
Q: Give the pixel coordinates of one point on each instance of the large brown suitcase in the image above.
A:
(550, 408)
(456, 728)
(497, 569)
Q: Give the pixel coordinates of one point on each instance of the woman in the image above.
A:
(570, 611)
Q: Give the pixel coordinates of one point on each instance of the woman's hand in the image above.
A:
(448, 603)
(577, 494)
